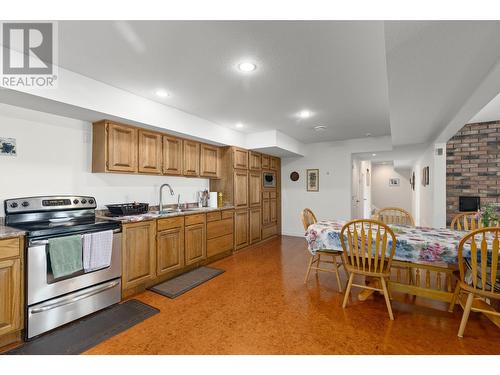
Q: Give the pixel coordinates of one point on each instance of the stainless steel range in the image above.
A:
(52, 300)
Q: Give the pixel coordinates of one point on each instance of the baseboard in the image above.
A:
(293, 234)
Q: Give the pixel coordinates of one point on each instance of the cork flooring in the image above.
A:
(260, 305)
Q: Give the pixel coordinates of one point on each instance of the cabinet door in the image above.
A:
(273, 210)
(138, 253)
(150, 152)
(240, 188)
(122, 148)
(191, 158)
(195, 243)
(255, 226)
(255, 162)
(170, 250)
(254, 184)
(172, 155)
(266, 211)
(240, 158)
(265, 162)
(273, 163)
(209, 161)
(240, 229)
(10, 295)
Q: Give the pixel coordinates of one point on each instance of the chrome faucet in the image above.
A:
(179, 202)
(160, 208)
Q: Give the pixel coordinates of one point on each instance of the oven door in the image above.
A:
(269, 180)
(41, 285)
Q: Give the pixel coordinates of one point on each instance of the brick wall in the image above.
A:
(473, 165)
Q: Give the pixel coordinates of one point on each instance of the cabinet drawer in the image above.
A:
(269, 231)
(219, 228)
(10, 248)
(213, 216)
(170, 223)
(272, 194)
(227, 214)
(265, 194)
(219, 245)
(195, 219)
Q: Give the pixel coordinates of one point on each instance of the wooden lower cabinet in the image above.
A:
(138, 253)
(170, 246)
(195, 243)
(220, 238)
(255, 225)
(11, 290)
(240, 228)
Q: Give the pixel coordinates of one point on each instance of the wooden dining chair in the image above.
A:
(369, 247)
(394, 215)
(479, 274)
(466, 221)
(308, 218)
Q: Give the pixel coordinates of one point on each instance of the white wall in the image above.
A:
(384, 195)
(429, 202)
(54, 157)
(334, 161)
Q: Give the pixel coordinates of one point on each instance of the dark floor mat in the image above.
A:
(86, 333)
(181, 284)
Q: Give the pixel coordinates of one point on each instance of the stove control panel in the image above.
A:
(49, 203)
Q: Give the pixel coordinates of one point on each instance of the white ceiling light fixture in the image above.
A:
(247, 66)
(374, 154)
(305, 113)
(239, 125)
(368, 134)
(162, 93)
(320, 128)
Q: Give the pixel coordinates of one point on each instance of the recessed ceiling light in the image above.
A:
(239, 125)
(320, 128)
(247, 66)
(374, 154)
(305, 113)
(162, 93)
(368, 134)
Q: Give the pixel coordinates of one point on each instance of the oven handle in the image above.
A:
(46, 242)
(65, 302)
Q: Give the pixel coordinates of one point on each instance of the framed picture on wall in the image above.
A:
(312, 180)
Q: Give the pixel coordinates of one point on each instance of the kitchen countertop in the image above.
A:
(153, 215)
(8, 232)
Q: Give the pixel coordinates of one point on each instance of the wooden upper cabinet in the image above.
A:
(240, 158)
(255, 161)
(273, 163)
(191, 158)
(266, 162)
(138, 253)
(240, 180)
(254, 188)
(209, 161)
(122, 148)
(150, 152)
(172, 155)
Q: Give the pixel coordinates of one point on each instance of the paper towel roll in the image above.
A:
(212, 199)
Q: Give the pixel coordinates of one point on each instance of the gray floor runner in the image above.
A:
(181, 284)
(87, 332)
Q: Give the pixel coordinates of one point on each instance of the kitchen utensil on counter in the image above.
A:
(203, 198)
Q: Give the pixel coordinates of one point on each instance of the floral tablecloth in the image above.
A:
(417, 245)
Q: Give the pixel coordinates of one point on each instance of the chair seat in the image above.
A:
(369, 271)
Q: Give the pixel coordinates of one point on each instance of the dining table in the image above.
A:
(423, 264)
